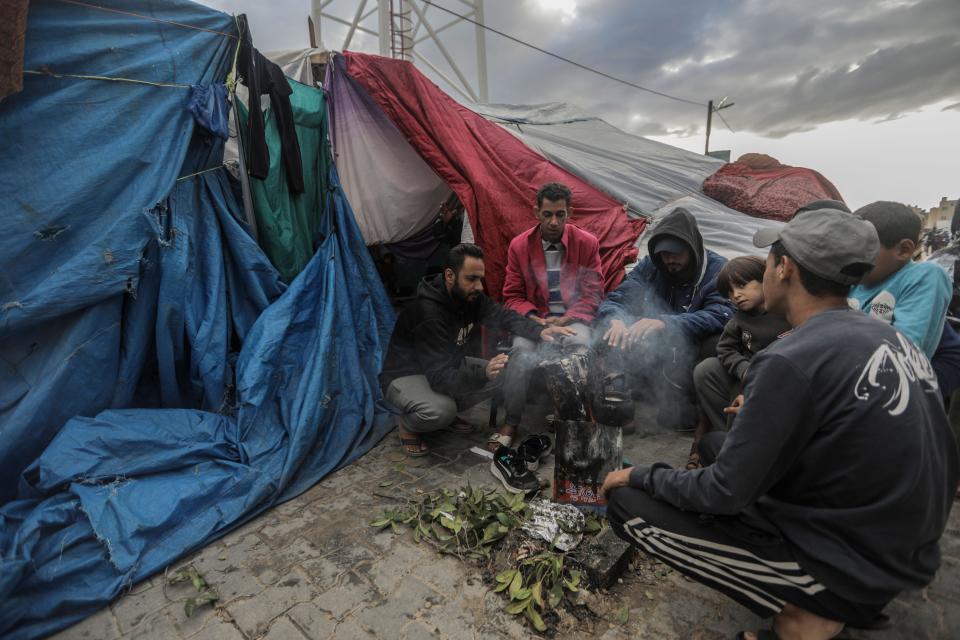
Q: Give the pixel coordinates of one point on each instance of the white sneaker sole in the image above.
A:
(499, 476)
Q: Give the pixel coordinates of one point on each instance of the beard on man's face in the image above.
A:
(462, 295)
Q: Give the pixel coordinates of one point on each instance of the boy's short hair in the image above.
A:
(894, 221)
(738, 272)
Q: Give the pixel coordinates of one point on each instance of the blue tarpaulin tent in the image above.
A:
(159, 385)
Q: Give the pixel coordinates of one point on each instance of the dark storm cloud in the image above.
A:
(789, 66)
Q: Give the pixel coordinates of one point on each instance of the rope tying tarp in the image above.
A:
(143, 17)
(108, 78)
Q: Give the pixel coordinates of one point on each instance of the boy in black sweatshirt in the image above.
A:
(719, 380)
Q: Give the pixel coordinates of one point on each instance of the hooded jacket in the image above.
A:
(647, 292)
(432, 336)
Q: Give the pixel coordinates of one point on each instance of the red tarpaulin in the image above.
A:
(495, 175)
(758, 185)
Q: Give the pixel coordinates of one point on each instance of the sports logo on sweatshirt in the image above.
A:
(891, 371)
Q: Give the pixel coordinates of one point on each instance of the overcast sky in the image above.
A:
(865, 91)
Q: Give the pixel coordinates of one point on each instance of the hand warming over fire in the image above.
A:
(641, 328)
(495, 365)
(616, 334)
(548, 334)
(558, 321)
(620, 335)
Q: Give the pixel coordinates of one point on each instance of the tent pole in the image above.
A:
(481, 52)
(706, 147)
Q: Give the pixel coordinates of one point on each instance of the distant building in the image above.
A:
(940, 216)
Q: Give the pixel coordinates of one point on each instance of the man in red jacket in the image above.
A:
(553, 277)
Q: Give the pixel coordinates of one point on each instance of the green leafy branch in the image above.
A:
(205, 593)
(538, 585)
(464, 523)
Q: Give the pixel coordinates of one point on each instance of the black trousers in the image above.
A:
(742, 556)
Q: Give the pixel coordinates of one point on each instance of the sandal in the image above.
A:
(460, 426)
(417, 442)
(497, 439)
(693, 459)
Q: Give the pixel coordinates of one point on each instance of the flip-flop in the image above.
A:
(460, 426)
(499, 439)
(413, 442)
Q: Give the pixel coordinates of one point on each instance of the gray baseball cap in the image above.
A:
(671, 244)
(834, 245)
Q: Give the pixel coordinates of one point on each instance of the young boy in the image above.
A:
(912, 296)
(719, 380)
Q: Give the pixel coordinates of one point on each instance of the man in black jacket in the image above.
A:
(830, 492)
(427, 374)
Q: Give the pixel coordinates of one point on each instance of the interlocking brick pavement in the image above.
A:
(313, 569)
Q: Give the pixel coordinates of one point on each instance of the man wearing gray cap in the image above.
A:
(830, 492)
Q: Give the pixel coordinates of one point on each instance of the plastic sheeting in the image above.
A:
(643, 173)
(84, 177)
(124, 287)
(395, 195)
(295, 63)
(651, 177)
(118, 497)
(760, 186)
(495, 175)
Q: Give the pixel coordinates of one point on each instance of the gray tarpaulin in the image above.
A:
(652, 178)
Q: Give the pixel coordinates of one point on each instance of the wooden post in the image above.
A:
(313, 35)
(706, 146)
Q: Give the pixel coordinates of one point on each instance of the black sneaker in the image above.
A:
(534, 449)
(509, 468)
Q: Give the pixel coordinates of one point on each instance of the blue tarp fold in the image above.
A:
(162, 299)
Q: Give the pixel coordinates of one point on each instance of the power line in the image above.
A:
(719, 115)
(567, 60)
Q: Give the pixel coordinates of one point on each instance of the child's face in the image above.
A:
(748, 297)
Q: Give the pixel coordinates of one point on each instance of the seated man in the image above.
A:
(426, 374)
(667, 314)
(818, 506)
(912, 296)
(553, 277)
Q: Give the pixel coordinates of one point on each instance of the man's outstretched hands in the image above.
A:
(551, 333)
(620, 335)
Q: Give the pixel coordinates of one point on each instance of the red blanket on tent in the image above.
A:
(758, 185)
(495, 175)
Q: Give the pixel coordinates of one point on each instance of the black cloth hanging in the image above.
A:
(264, 77)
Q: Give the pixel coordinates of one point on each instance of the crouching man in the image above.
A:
(830, 492)
(427, 375)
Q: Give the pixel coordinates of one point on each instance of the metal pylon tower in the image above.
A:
(402, 25)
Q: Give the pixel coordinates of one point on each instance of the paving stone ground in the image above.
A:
(312, 569)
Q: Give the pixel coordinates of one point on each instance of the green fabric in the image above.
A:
(288, 223)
